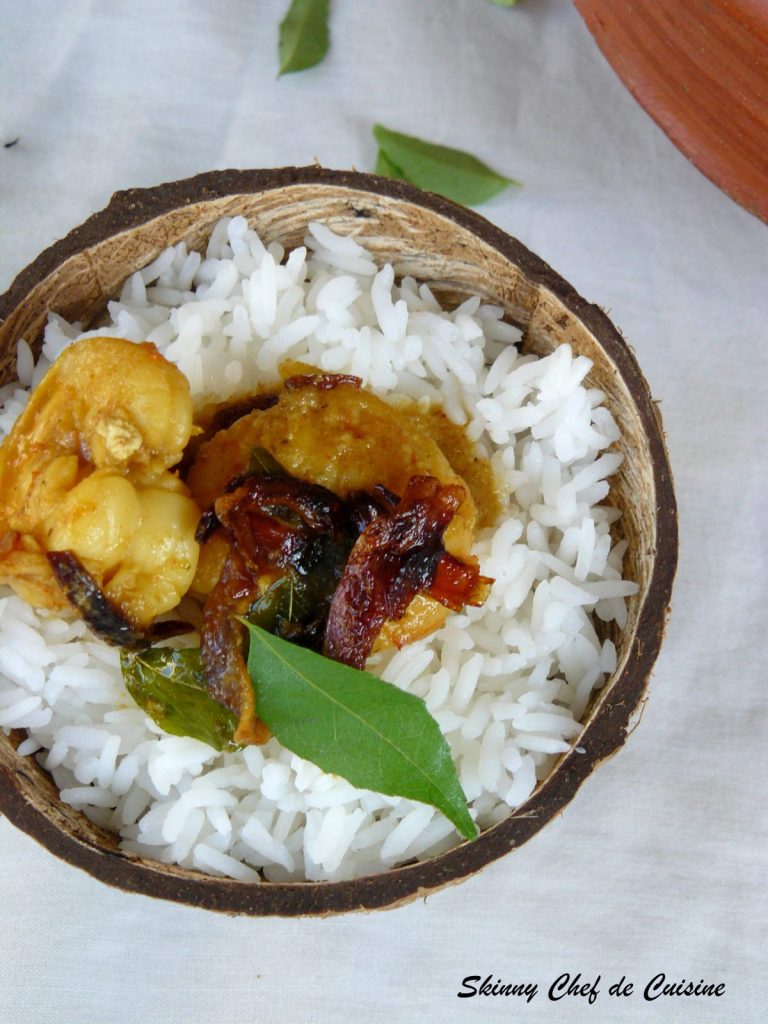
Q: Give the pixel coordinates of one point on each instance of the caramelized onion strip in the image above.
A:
(271, 524)
(101, 615)
(222, 648)
(457, 584)
(399, 555)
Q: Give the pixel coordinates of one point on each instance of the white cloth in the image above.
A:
(658, 865)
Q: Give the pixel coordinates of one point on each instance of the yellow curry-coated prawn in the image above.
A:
(348, 440)
(86, 469)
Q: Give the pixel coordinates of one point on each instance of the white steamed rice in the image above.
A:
(507, 683)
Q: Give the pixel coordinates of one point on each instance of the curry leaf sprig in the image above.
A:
(451, 172)
(304, 37)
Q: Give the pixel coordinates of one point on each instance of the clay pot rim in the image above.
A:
(601, 738)
(677, 60)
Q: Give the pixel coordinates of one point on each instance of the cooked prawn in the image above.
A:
(87, 469)
(347, 440)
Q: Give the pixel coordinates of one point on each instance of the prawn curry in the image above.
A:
(317, 511)
(87, 469)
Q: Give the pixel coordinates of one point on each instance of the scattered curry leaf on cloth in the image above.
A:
(304, 36)
(503, 3)
(169, 686)
(352, 724)
(451, 172)
(386, 168)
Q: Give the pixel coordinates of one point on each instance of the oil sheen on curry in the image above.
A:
(317, 510)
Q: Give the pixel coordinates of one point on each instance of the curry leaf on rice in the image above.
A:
(352, 724)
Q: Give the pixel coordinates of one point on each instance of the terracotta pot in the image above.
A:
(700, 69)
(457, 252)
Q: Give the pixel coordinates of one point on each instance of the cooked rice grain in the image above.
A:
(507, 682)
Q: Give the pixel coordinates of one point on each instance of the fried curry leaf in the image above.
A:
(263, 463)
(169, 686)
(290, 608)
(451, 172)
(303, 35)
(351, 724)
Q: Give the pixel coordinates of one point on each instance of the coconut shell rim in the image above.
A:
(600, 739)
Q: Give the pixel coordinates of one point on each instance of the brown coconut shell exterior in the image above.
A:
(458, 252)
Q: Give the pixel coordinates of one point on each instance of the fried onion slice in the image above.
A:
(351, 564)
(398, 555)
(276, 526)
(101, 614)
(222, 648)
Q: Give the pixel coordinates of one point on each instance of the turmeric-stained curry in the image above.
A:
(319, 511)
(86, 469)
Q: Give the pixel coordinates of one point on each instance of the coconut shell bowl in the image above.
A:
(457, 252)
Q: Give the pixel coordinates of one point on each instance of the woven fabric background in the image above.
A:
(659, 864)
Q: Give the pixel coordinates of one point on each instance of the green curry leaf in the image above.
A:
(451, 172)
(386, 168)
(304, 37)
(351, 724)
(169, 686)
